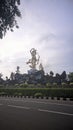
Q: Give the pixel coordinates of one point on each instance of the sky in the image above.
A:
(47, 26)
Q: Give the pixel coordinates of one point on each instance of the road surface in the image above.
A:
(35, 114)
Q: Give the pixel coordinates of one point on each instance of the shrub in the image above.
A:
(48, 85)
(24, 85)
(15, 94)
(37, 95)
(39, 85)
(1, 86)
(3, 93)
(71, 84)
(55, 85)
(64, 85)
(46, 92)
(31, 85)
(16, 85)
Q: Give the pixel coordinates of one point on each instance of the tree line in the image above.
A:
(38, 78)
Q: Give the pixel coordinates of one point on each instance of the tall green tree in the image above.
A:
(8, 12)
(70, 76)
(63, 76)
(58, 78)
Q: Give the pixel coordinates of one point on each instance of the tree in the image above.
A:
(51, 73)
(63, 76)
(70, 77)
(1, 75)
(58, 78)
(12, 76)
(1, 80)
(8, 12)
(6, 78)
(51, 78)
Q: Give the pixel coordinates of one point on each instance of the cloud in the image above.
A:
(0, 61)
(47, 37)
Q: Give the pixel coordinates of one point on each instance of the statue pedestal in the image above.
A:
(32, 71)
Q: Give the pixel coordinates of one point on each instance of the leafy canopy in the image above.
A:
(8, 12)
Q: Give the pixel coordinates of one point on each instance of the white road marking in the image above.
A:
(21, 107)
(55, 112)
(42, 110)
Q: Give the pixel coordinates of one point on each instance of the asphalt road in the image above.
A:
(35, 114)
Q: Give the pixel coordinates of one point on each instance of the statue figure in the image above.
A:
(41, 67)
(18, 71)
(34, 60)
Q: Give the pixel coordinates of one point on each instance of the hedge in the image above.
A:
(46, 92)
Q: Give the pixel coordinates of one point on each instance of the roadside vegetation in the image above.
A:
(49, 85)
(38, 92)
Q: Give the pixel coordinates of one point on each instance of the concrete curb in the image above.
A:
(47, 98)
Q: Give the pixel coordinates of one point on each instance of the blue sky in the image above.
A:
(46, 25)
